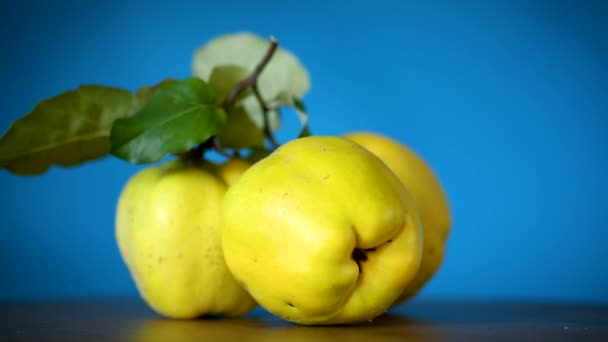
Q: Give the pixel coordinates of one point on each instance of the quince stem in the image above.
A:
(251, 81)
(267, 131)
(199, 151)
(219, 149)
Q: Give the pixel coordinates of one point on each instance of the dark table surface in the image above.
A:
(418, 320)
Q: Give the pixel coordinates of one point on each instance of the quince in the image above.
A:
(168, 233)
(321, 232)
(430, 198)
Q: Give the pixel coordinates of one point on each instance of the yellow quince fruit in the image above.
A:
(169, 235)
(232, 170)
(321, 232)
(430, 198)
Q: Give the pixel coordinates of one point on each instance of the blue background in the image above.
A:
(507, 100)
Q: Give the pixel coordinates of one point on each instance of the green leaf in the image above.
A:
(224, 78)
(144, 94)
(64, 130)
(240, 132)
(254, 109)
(283, 74)
(178, 117)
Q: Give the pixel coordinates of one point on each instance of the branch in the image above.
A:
(252, 79)
(265, 112)
(219, 149)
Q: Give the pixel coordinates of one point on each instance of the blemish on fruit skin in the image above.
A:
(326, 177)
(284, 195)
(288, 303)
(161, 259)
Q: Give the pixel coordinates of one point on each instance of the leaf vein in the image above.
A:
(75, 139)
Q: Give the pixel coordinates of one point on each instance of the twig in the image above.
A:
(251, 80)
(198, 151)
(265, 112)
(219, 149)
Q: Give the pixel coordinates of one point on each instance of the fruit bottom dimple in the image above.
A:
(359, 255)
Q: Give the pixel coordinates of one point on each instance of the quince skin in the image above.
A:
(321, 232)
(168, 233)
(430, 198)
